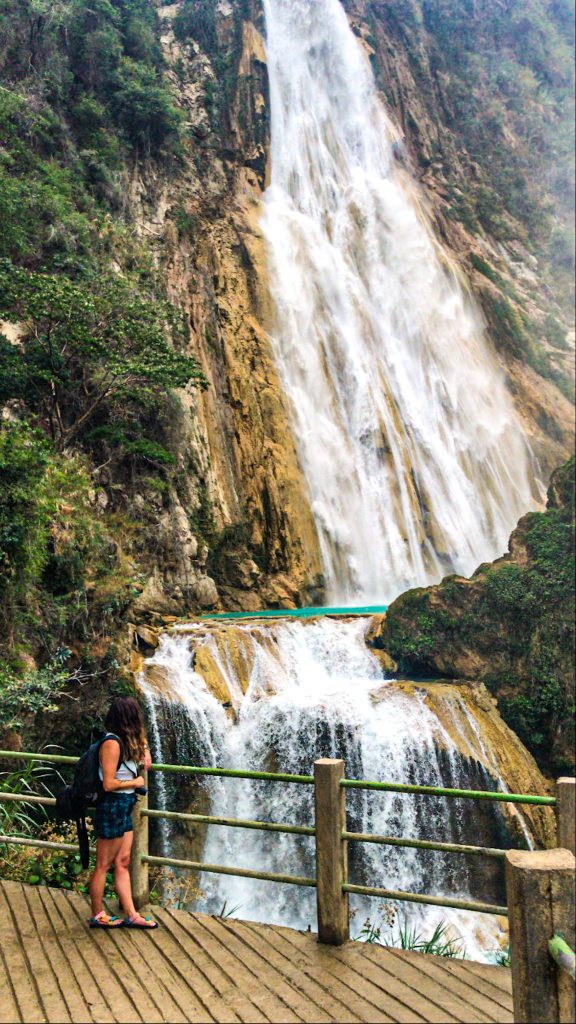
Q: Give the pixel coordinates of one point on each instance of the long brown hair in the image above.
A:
(125, 718)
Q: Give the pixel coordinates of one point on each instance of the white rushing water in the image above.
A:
(315, 690)
(414, 458)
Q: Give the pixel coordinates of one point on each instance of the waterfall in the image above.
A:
(415, 461)
(299, 691)
(416, 465)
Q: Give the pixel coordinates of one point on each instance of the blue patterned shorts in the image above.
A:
(114, 815)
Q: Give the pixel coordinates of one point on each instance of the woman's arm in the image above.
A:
(109, 754)
(146, 756)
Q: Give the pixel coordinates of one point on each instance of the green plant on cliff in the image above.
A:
(92, 350)
(511, 625)
(83, 348)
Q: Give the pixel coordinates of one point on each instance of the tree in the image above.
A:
(23, 522)
(85, 347)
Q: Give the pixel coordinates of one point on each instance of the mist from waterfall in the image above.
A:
(316, 690)
(415, 461)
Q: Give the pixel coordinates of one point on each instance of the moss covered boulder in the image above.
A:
(511, 626)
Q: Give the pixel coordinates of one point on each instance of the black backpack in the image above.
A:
(86, 790)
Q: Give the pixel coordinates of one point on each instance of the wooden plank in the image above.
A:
(106, 999)
(315, 1001)
(300, 962)
(9, 1010)
(177, 944)
(455, 996)
(500, 978)
(78, 1006)
(353, 972)
(381, 973)
(170, 990)
(30, 927)
(225, 969)
(408, 973)
(140, 982)
(280, 1003)
(317, 961)
(25, 991)
(233, 996)
(436, 1009)
(260, 995)
(480, 976)
(458, 979)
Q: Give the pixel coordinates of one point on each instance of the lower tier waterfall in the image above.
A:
(275, 696)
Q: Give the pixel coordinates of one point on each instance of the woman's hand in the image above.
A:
(138, 782)
(147, 761)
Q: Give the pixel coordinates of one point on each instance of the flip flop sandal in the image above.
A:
(105, 921)
(150, 925)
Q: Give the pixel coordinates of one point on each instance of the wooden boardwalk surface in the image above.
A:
(200, 968)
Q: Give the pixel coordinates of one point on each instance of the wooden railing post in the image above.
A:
(139, 870)
(566, 814)
(331, 852)
(540, 895)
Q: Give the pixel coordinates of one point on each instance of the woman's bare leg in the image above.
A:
(122, 880)
(106, 851)
(122, 875)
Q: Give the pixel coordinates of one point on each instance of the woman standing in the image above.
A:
(119, 760)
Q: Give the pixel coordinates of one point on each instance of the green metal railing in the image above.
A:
(462, 794)
(562, 955)
(298, 830)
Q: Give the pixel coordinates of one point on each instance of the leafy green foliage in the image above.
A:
(23, 520)
(22, 816)
(100, 62)
(28, 693)
(84, 347)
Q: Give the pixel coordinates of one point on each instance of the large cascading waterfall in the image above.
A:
(416, 465)
(275, 696)
(415, 462)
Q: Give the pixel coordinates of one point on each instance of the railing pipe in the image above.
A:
(206, 819)
(231, 773)
(435, 901)
(23, 755)
(562, 955)
(465, 794)
(424, 844)
(42, 843)
(27, 798)
(219, 869)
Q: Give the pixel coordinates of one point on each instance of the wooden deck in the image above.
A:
(200, 968)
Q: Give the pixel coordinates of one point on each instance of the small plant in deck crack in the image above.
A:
(225, 913)
(383, 933)
(501, 957)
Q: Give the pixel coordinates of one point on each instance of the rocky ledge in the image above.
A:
(510, 626)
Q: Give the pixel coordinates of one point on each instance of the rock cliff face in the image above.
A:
(510, 626)
(203, 223)
(245, 498)
(421, 54)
